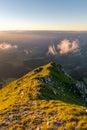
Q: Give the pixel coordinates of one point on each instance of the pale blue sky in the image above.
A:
(43, 14)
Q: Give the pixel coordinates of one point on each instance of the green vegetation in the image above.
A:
(44, 99)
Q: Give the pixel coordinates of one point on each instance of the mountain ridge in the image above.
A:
(47, 91)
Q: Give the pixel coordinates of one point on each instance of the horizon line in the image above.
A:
(43, 30)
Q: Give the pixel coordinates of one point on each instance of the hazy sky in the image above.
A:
(43, 14)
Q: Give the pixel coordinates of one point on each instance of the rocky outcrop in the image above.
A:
(82, 88)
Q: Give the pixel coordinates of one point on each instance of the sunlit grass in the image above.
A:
(31, 103)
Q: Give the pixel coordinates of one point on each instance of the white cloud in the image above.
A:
(26, 52)
(52, 50)
(66, 46)
(6, 46)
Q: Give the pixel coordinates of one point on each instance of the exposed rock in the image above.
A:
(82, 89)
(48, 122)
(58, 123)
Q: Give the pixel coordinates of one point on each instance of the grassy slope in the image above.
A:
(30, 102)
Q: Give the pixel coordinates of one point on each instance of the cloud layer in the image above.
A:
(52, 50)
(67, 46)
(6, 46)
(64, 47)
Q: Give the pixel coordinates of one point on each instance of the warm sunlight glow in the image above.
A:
(43, 15)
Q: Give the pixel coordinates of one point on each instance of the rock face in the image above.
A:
(83, 90)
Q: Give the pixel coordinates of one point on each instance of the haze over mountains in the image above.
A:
(22, 51)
